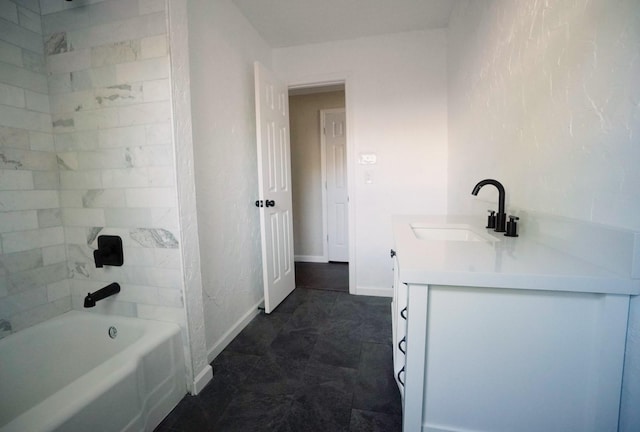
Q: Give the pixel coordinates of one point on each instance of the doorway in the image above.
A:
(312, 201)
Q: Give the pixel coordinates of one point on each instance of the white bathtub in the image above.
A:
(67, 374)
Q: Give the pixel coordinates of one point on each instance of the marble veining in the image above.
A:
(118, 94)
(62, 164)
(128, 159)
(57, 43)
(89, 198)
(80, 268)
(67, 122)
(5, 162)
(5, 328)
(80, 260)
(154, 237)
(92, 234)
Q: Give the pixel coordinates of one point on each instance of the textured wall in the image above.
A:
(196, 351)
(396, 106)
(33, 269)
(306, 169)
(545, 96)
(223, 47)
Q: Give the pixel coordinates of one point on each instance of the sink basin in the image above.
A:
(451, 233)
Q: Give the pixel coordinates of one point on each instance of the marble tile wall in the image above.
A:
(34, 283)
(85, 149)
(109, 88)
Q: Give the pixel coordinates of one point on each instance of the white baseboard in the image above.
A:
(374, 291)
(427, 428)
(235, 329)
(311, 258)
(202, 379)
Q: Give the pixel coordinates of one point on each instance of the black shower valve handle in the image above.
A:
(109, 252)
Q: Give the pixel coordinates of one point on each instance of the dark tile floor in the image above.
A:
(320, 362)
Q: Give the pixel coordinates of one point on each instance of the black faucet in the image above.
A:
(91, 298)
(501, 217)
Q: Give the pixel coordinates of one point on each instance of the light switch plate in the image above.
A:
(367, 159)
(368, 177)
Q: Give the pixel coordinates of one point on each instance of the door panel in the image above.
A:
(337, 193)
(274, 181)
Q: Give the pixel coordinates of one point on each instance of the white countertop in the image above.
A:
(521, 262)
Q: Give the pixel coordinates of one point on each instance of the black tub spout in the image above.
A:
(91, 298)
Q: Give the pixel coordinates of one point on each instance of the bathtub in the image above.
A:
(68, 374)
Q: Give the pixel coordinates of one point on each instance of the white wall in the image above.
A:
(223, 47)
(306, 171)
(545, 97)
(396, 108)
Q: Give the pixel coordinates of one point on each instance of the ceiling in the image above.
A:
(284, 23)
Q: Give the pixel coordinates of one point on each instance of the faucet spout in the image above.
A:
(501, 217)
(91, 298)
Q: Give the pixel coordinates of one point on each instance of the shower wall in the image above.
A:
(86, 148)
(33, 267)
(108, 75)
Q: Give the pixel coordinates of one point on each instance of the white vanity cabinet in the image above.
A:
(483, 359)
(506, 335)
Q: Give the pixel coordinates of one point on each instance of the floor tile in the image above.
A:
(254, 412)
(370, 421)
(295, 343)
(337, 350)
(258, 335)
(376, 389)
(319, 408)
(275, 375)
(321, 374)
(190, 415)
(233, 366)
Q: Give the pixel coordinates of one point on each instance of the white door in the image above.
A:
(335, 149)
(274, 178)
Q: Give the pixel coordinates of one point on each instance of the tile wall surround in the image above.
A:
(34, 283)
(86, 141)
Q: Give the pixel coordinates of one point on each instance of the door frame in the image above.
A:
(323, 174)
(324, 80)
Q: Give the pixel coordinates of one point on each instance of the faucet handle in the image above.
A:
(491, 220)
(512, 226)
